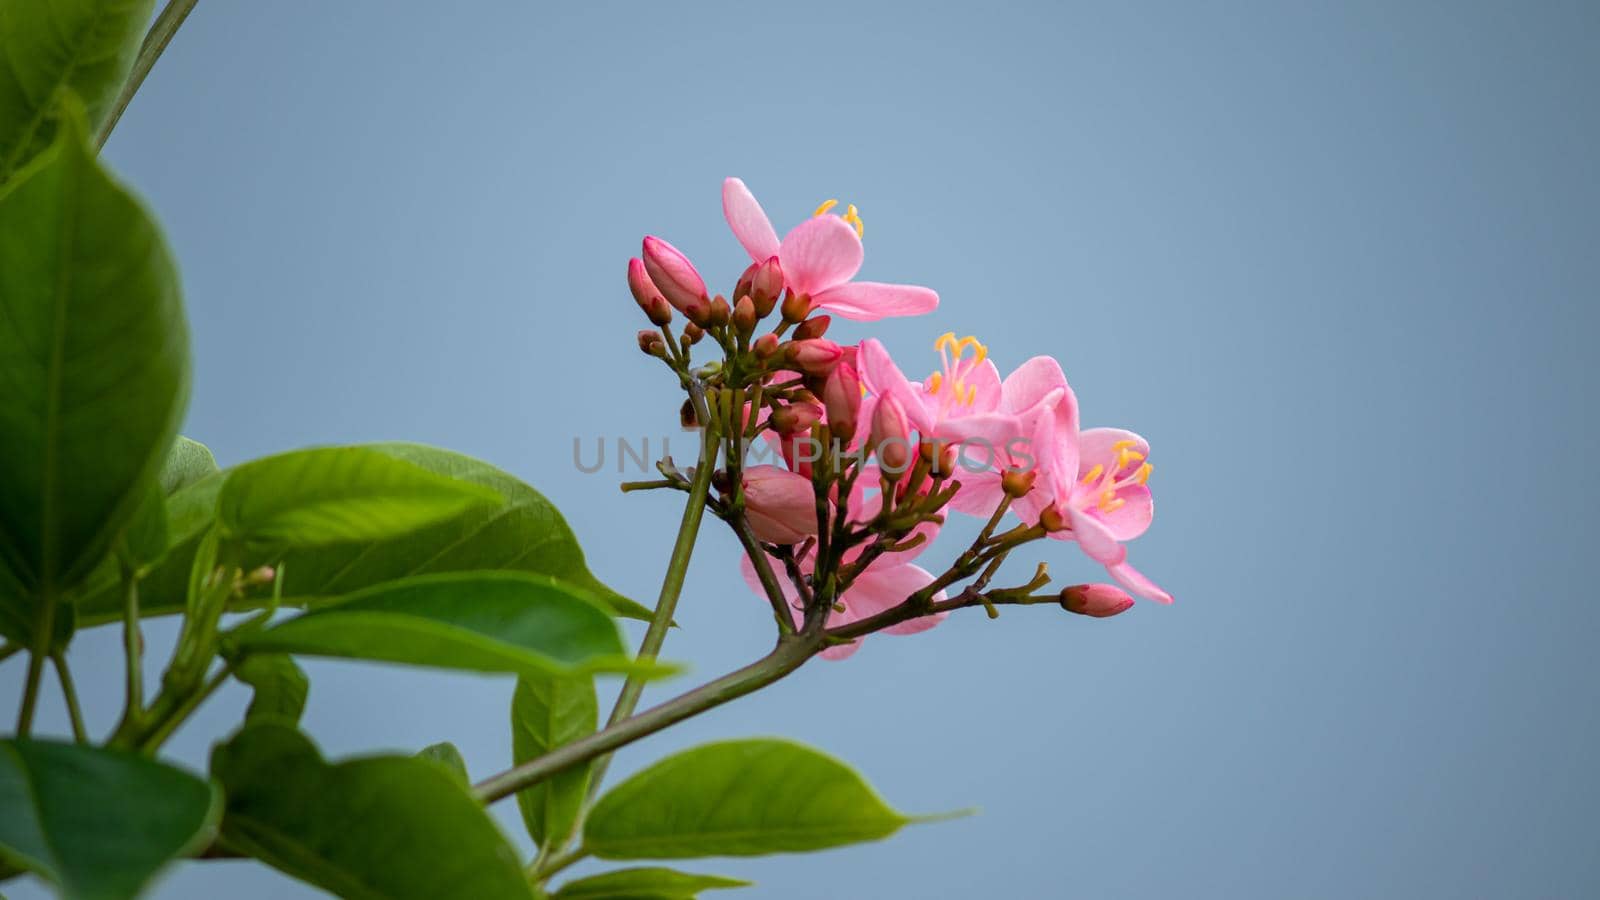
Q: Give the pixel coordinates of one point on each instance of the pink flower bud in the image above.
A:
(841, 394)
(814, 327)
(765, 346)
(793, 418)
(644, 290)
(1098, 600)
(766, 286)
(746, 281)
(780, 505)
(673, 274)
(891, 436)
(817, 356)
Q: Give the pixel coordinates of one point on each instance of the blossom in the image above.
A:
(779, 505)
(885, 584)
(819, 257)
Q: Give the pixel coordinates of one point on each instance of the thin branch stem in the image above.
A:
(44, 634)
(790, 654)
(132, 644)
(556, 863)
(168, 720)
(155, 42)
(70, 692)
(904, 611)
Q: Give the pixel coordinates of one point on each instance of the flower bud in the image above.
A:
(262, 575)
(744, 316)
(652, 343)
(1098, 600)
(814, 327)
(746, 283)
(817, 356)
(1052, 519)
(687, 417)
(644, 290)
(721, 312)
(693, 332)
(765, 347)
(659, 311)
(796, 307)
(793, 418)
(891, 436)
(940, 455)
(673, 274)
(766, 286)
(1017, 483)
(780, 505)
(841, 395)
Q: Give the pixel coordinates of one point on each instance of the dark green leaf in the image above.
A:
(146, 535)
(280, 687)
(524, 533)
(187, 462)
(99, 823)
(644, 883)
(475, 621)
(546, 713)
(738, 798)
(375, 828)
(332, 495)
(94, 362)
(446, 754)
(85, 46)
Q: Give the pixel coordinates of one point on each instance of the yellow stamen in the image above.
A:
(853, 216)
(935, 381)
(1109, 502)
(826, 205)
(1094, 474)
(1143, 477)
(972, 395)
(946, 341)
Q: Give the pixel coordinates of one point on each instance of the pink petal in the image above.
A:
(883, 378)
(780, 505)
(984, 379)
(1095, 538)
(868, 301)
(748, 221)
(841, 651)
(1095, 448)
(791, 598)
(980, 493)
(820, 253)
(879, 589)
(1133, 517)
(1135, 581)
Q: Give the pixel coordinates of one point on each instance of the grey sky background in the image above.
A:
(1337, 262)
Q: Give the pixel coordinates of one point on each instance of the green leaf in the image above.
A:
(187, 462)
(98, 823)
(374, 828)
(146, 535)
(446, 754)
(94, 362)
(280, 687)
(524, 533)
(547, 713)
(738, 798)
(474, 621)
(331, 495)
(84, 46)
(644, 883)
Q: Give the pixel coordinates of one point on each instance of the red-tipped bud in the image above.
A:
(1017, 483)
(779, 504)
(721, 312)
(817, 357)
(794, 418)
(693, 332)
(644, 290)
(796, 307)
(659, 311)
(673, 274)
(891, 436)
(814, 327)
(653, 343)
(746, 282)
(1052, 519)
(698, 313)
(766, 346)
(744, 316)
(766, 286)
(1098, 600)
(841, 395)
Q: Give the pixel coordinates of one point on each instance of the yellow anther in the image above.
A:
(971, 395)
(1119, 446)
(1125, 456)
(946, 341)
(1109, 502)
(826, 205)
(853, 216)
(935, 381)
(1094, 474)
(1143, 476)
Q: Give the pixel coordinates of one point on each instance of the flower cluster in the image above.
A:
(871, 460)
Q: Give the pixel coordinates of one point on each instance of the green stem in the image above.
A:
(789, 655)
(132, 645)
(169, 717)
(155, 42)
(554, 864)
(671, 588)
(44, 632)
(79, 733)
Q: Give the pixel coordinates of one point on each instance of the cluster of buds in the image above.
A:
(866, 464)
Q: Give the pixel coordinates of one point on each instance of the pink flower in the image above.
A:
(779, 504)
(1097, 484)
(819, 257)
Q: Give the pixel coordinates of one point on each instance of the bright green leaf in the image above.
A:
(331, 495)
(448, 755)
(738, 798)
(98, 823)
(474, 621)
(187, 462)
(94, 362)
(84, 46)
(280, 687)
(374, 828)
(546, 713)
(644, 883)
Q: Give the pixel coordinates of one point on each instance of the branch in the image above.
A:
(155, 42)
